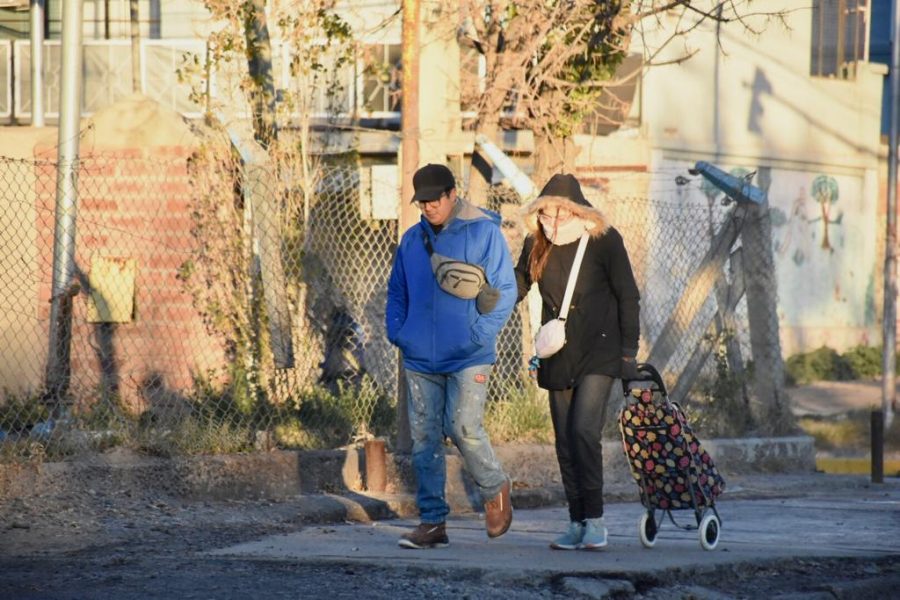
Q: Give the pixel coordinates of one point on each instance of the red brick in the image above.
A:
(128, 187)
(98, 204)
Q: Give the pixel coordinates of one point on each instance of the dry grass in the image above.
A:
(848, 434)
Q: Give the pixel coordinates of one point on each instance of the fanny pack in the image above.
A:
(456, 277)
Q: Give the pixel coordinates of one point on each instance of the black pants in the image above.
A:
(578, 414)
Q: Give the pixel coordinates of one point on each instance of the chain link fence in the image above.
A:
(212, 311)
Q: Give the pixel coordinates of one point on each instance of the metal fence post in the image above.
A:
(66, 200)
(889, 334)
(37, 63)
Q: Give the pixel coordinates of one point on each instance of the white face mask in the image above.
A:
(564, 233)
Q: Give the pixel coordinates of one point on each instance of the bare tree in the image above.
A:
(548, 63)
(238, 281)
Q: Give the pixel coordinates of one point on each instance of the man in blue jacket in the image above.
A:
(448, 347)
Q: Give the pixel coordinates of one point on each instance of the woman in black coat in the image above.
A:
(602, 330)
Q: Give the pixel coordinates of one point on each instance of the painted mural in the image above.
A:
(824, 237)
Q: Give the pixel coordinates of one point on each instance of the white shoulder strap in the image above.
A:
(573, 276)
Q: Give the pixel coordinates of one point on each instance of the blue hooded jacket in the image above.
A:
(436, 331)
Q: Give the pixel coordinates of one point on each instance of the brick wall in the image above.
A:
(134, 203)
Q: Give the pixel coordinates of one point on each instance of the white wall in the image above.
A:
(758, 101)
(757, 106)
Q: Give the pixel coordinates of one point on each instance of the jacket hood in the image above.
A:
(563, 191)
(464, 212)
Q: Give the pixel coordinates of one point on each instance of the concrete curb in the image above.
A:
(338, 476)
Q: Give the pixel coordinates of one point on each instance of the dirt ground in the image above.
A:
(81, 539)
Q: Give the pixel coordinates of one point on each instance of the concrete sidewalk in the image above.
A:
(764, 518)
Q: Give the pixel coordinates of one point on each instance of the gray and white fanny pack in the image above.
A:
(456, 277)
(461, 279)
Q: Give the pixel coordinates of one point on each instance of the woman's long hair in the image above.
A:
(540, 254)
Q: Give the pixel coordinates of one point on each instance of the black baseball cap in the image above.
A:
(431, 181)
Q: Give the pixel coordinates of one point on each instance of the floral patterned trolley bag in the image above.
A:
(671, 468)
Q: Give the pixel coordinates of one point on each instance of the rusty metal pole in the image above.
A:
(376, 472)
(409, 162)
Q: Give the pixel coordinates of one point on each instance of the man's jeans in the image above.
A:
(450, 405)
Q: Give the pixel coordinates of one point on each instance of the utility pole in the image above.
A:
(62, 289)
(409, 162)
(37, 63)
(409, 119)
(889, 362)
(880, 419)
(134, 17)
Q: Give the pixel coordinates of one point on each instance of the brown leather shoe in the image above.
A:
(426, 535)
(498, 512)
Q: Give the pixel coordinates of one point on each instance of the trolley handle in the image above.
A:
(649, 373)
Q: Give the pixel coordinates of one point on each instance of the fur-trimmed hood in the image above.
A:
(564, 191)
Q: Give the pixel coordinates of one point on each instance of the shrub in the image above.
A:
(20, 413)
(823, 364)
(523, 415)
(864, 361)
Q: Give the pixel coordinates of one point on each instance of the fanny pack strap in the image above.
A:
(573, 276)
(427, 240)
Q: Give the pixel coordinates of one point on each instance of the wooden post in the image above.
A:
(409, 162)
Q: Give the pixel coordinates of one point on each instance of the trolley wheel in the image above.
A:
(709, 532)
(647, 530)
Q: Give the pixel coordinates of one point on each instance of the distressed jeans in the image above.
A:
(450, 405)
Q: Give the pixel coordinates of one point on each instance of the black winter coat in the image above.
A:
(603, 321)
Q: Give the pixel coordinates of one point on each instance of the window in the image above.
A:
(381, 78)
(839, 37)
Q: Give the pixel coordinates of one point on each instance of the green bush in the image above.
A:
(323, 419)
(864, 361)
(20, 413)
(718, 406)
(823, 364)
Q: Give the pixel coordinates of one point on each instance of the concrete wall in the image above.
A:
(23, 346)
(757, 101)
(753, 105)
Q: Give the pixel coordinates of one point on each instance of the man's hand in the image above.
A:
(487, 299)
(629, 368)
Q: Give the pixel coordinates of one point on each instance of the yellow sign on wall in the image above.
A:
(112, 290)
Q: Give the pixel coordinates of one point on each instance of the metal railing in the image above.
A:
(367, 87)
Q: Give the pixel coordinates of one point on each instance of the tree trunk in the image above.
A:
(500, 68)
(552, 155)
(771, 406)
(259, 64)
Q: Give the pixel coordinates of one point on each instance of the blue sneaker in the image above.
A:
(594, 534)
(570, 539)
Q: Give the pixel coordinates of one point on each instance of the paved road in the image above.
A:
(858, 522)
(802, 537)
